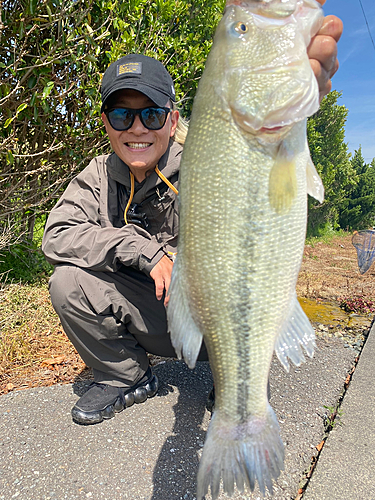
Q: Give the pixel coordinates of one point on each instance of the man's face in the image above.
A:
(138, 147)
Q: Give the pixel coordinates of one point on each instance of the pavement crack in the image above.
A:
(330, 421)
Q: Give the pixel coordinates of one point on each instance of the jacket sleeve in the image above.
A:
(74, 235)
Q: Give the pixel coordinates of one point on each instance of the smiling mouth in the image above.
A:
(138, 145)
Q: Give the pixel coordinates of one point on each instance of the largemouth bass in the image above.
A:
(245, 174)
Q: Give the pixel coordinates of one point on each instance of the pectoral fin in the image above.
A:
(315, 186)
(283, 181)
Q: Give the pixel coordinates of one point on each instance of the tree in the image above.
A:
(358, 211)
(52, 56)
(329, 152)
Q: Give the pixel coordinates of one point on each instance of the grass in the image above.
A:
(31, 335)
(26, 317)
(24, 263)
(327, 238)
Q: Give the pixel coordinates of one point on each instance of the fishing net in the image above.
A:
(364, 243)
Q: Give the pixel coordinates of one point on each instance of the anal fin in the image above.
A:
(296, 333)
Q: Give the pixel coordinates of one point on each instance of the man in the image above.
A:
(113, 234)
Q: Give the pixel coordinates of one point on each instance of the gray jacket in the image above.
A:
(86, 228)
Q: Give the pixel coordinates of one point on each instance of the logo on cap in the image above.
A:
(129, 68)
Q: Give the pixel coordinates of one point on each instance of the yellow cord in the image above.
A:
(162, 177)
(130, 197)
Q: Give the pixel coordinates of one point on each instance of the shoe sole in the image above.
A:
(138, 395)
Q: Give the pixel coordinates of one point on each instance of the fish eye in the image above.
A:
(241, 28)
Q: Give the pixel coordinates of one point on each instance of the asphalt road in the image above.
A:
(151, 451)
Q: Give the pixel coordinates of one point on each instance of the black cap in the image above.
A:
(142, 73)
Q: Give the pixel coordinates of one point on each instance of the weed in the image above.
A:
(332, 418)
(326, 237)
(28, 325)
(357, 304)
(24, 262)
(31, 335)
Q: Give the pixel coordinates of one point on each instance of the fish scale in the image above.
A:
(243, 210)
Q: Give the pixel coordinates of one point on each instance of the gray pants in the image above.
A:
(112, 319)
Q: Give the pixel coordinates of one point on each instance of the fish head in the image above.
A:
(268, 84)
(268, 8)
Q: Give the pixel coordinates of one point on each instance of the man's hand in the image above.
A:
(322, 52)
(161, 274)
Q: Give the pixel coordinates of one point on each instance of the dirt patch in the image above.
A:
(329, 272)
(34, 350)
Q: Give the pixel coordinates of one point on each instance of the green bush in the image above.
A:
(24, 263)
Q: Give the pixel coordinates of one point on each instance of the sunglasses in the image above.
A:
(153, 118)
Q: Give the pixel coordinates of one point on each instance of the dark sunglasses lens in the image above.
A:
(121, 118)
(154, 118)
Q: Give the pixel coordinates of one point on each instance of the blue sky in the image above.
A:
(356, 76)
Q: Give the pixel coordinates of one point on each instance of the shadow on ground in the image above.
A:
(175, 471)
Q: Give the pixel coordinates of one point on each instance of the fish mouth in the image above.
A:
(270, 130)
(258, 127)
(274, 132)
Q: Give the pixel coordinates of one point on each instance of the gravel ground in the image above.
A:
(151, 451)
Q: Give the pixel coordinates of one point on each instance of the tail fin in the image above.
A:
(241, 454)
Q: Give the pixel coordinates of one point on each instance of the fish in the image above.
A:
(245, 174)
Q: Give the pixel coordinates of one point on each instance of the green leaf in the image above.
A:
(49, 13)
(47, 89)
(8, 121)
(22, 30)
(21, 107)
(89, 29)
(31, 82)
(32, 101)
(90, 58)
(33, 4)
(10, 157)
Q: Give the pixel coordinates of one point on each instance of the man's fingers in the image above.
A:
(324, 49)
(323, 78)
(161, 274)
(332, 26)
(159, 288)
(167, 282)
(322, 53)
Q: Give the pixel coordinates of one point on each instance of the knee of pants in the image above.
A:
(63, 286)
(60, 286)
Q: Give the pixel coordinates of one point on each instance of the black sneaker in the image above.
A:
(102, 401)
